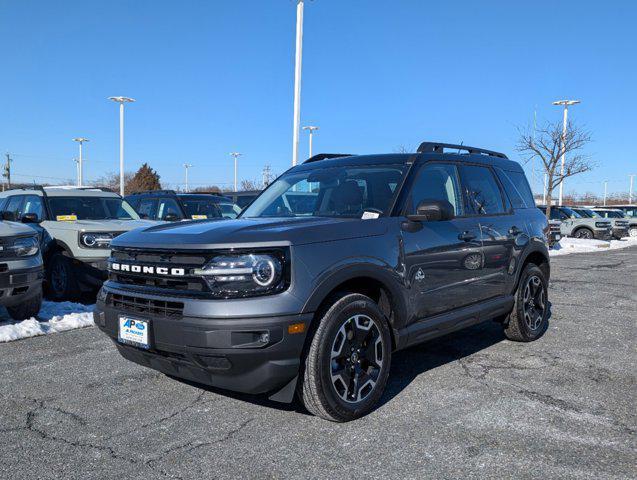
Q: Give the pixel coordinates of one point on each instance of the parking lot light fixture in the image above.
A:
(566, 104)
(235, 155)
(80, 167)
(311, 129)
(187, 166)
(121, 101)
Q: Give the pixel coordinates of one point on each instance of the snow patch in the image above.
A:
(579, 245)
(54, 317)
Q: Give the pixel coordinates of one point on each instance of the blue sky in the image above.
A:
(211, 77)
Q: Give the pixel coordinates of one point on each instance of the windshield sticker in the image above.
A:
(199, 217)
(369, 215)
(66, 218)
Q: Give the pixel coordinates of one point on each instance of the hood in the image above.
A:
(251, 232)
(102, 225)
(12, 229)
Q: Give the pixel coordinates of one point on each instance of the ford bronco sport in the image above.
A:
(21, 270)
(82, 223)
(398, 249)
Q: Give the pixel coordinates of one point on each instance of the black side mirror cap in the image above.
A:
(432, 211)
(30, 218)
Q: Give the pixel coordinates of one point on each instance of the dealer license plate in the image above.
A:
(134, 331)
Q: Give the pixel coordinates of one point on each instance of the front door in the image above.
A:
(443, 259)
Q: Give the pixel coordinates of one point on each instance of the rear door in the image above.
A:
(443, 259)
(499, 226)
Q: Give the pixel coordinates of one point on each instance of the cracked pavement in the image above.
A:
(469, 405)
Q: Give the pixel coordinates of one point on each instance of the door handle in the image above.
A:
(515, 231)
(467, 236)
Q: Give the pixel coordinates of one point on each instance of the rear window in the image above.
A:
(517, 188)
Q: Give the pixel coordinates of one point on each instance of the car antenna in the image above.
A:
(461, 144)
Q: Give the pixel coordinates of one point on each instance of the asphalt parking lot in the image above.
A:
(469, 405)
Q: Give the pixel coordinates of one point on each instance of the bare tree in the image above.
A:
(549, 144)
(401, 149)
(249, 185)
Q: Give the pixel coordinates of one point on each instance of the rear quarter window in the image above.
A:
(517, 188)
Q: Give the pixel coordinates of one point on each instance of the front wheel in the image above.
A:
(62, 284)
(27, 309)
(584, 233)
(347, 365)
(529, 318)
(632, 232)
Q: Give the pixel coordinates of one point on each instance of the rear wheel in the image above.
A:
(632, 231)
(27, 309)
(529, 318)
(584, 233)
(347, 365)
(62, 284)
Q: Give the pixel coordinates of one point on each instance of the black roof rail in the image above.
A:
(433, 147)
(153, 191)
(325, 156)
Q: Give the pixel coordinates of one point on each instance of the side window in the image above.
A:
(33, 204)
(556, 214)
(15, 206)
(481, 191)
(148, 208)
(168, 206)
(516, 188)
(435, 181)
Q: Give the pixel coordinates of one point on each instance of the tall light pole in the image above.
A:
(121, 101)
(605, 191)
(630, 192)
(187, 166)
(566, 104)
(80, 168)
(297, 82)
(235, 155)
(311, 129)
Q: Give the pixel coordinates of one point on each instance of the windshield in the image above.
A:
(229, 210)
(91, 208)
(571, 213)
(588, 213)
(200, 207)
(329, 192)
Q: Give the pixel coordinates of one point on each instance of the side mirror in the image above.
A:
(30, 218)
(432, 211)
(171, 217)
(7, 216)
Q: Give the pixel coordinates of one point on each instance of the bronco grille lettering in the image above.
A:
(149, 269)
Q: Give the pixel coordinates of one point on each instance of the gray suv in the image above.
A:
(578, 226)
(21, 270)
(396, 250)
(82, 223)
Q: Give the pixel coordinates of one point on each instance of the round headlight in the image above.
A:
(89, 240)
(264, 272)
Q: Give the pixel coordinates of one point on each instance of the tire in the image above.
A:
(341, 344)
(632, 232)
(529, 318)
(584, 233)
(27, 309)
(61, 281)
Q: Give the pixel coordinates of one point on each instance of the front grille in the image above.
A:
(147, 306)
(187, 285)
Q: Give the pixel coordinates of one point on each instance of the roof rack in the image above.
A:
(72, 187)
(325, 156)
(433, 147)
(172, 192)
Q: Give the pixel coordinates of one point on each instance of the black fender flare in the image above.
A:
(535, 246)
(383, 274)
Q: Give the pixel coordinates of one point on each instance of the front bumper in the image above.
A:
(220, 352)
(603, 234)
(16, 286)
(620, 232)
(91, 272)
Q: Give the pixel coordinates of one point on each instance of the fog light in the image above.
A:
(265, 337)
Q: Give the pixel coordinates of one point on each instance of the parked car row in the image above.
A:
(602, 223)
(74, 228)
